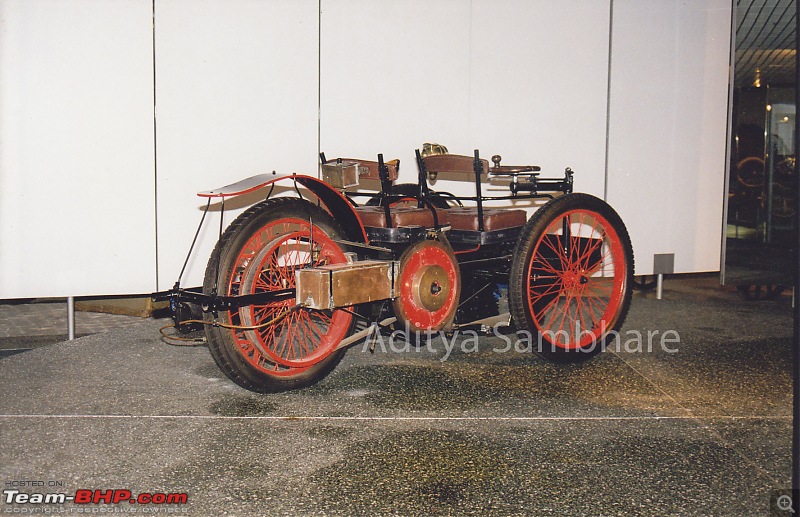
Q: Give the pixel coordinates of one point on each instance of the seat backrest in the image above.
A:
(453, 163)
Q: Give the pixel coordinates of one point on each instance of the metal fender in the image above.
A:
(339, 207)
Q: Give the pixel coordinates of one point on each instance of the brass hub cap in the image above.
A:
(431, 288)
(428, 286)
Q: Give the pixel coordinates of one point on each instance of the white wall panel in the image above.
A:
(539, 73)
(245, 87)
(237, 87)
(667, 134)
(394, 75)
(509, 77)
(76, 148)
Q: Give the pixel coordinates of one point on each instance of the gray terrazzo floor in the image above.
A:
(24, 326)
(704, 430)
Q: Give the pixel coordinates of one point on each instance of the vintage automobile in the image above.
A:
(294, 281)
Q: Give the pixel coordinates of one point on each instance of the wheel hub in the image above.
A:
(574, 278)
(428, 287)
(431, 287)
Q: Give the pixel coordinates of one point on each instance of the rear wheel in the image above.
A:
(571, 277)
(275, 346)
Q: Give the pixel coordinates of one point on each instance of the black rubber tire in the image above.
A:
(406, 190)
(556, 286)
(221, 343)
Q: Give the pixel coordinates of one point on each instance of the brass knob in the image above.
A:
(496, 160)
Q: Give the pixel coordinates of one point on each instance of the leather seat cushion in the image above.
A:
(493, 218)
(375, 216)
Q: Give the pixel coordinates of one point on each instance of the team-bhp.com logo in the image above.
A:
(95, 497)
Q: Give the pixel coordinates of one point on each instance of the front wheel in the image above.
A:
(279, 345)
(571, 277)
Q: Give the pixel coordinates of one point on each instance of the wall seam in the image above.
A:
(608, 96)
(155, 150)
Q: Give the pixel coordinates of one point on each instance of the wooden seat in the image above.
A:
(453, 163)
(478, 218)
(493, 218)
(375, 216)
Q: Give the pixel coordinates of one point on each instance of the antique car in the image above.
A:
(294, 281)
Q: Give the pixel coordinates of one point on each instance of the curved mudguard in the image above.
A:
(339, 207)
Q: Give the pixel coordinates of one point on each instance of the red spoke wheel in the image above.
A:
(428, 287)
(275, 346)
(571, 277)
(300, 337)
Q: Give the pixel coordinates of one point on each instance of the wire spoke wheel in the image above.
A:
(278, 345)
(571, 277)
(298, 337)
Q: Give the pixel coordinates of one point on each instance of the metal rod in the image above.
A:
(215, 302)
(491, 322)
(478, 168)
(219, 243)
(70, 318)
(366, 333)
(194, 241)
(773, 149)
(422, 178)
(386, 186)
(659, 286)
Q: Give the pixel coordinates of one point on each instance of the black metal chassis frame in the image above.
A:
(470, 246)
